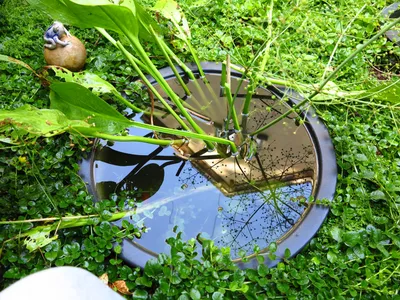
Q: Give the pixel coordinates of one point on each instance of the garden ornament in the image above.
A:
(63, 49)
(53, 35)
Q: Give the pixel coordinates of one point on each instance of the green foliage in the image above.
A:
(78, 103)
(356, 252)
(36, 122)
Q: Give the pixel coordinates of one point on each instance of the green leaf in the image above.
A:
(168, 9)
(287, 253)
(262, 270)
(217, 296)
(272, 247)
(378, 195)
(361, 157)
(89, 80)
(315, 260)
(118, 249)
(152, 268)
(140, 294)
(13, 273)
(78, 103)
(332, 257)
(175, 279)
(336, 234)
(38, 122)
(144, 280)
(38, 238)
(282, 287)
(51, 256)
(352, 238)
(195, 294)
(125, 16)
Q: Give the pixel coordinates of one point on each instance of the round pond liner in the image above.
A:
(295, 162)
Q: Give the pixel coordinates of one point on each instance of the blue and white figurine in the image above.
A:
(53, 35)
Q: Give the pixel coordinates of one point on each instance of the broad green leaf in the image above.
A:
(51, 256)
(38, 122)
(86, 79)
(78, 103)
(126, 17)
(168, 9)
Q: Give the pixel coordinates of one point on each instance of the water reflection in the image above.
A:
(235, 203)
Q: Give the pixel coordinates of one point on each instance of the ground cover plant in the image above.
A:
(354, 255)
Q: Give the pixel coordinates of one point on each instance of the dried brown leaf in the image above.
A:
(120, 286)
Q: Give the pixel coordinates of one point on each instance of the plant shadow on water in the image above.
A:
(234, 202)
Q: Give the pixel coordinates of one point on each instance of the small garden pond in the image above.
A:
(234, 202)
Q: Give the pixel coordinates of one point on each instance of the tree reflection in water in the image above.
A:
(236, 203)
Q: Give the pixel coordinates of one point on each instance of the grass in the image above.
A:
(356, 252)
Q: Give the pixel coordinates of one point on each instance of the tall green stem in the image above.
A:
(170, 63)
(158, 77)
(189, 72)
(192, 135)
(152, 88)
(255, 81)
(232, 110)
(140, 139)
(190, 47)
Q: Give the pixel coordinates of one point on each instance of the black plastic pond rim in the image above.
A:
(324, 187)
(392, 11)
